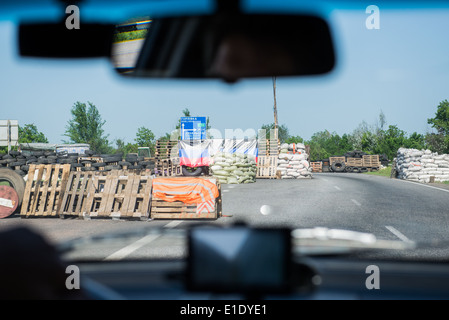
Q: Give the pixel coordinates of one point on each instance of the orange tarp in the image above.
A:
(187, 190)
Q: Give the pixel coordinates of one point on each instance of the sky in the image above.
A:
(401, 69)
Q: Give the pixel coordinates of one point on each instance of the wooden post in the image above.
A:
(275, 109)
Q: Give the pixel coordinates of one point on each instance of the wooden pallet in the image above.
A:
(316, 166)
(119, 196)
(163, 149)
(78, 186)
(161, 209)
(354, 162)
(167, 168)
(44, 190)
(371, 161)
(266, 167)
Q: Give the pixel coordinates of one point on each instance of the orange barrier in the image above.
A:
(186, 190)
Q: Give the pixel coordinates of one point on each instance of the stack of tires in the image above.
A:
(20, 163)
(114, 162)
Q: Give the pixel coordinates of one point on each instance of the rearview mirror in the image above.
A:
(228, 46)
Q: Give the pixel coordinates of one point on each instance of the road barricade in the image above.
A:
(186, 198)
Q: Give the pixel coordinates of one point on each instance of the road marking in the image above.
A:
(423, 185)
(173, 224)
(325, 180)
(224, 190)
(356, 202)
(398, 234)
(126, 251)
(337, 188)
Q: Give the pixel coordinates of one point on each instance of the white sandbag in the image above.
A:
(298, 157)
(305, 163)
(285, 156)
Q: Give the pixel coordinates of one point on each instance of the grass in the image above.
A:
(130, 35)
(385, 172)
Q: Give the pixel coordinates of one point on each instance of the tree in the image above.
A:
(283, 134)
(357, 135)
(86, 126)
(394, 138)
(436, 142)
(324, 144)
(441, 120)
(145, 138)
(125, 148)
(30, 134)
(440, 141)
(416, 141)
(294, 139)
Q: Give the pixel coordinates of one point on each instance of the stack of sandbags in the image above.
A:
(234, 168)
(421, 165)
(293, 162)
(293, 148)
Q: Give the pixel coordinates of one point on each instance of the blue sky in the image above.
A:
(401, 69)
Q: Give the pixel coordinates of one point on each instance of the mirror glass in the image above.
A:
(227, 46)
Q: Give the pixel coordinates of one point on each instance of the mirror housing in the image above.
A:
(233, 46)
(55, 40)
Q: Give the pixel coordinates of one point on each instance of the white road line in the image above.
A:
(325, 180)
(398, 234)
(126, 251)
(421, 184)
(336, 187)
(356, 202)
(225, 190)
(173, 224)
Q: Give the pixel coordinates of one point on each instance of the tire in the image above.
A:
(338, 167)
(191, 172)
(349, 169)
(14, 180)
(363, 169)
(112, 159)
(98, 164)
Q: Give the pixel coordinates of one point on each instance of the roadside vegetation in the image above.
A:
(384, 172)
(86, 126)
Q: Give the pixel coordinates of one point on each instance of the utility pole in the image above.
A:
(275, 110)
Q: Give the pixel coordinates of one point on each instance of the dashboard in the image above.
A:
(317, 278)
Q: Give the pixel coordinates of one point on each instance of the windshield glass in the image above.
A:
(363, 148)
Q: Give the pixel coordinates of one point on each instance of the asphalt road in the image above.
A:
(391, 209)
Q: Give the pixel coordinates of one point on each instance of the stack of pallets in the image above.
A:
(266, 167)
(167, 159)
(44, 190)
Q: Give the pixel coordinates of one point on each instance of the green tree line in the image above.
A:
(86, 126)
(375, 139)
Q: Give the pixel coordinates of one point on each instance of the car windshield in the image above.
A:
(364, 147)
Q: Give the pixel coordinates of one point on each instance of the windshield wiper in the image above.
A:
(331, 241)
